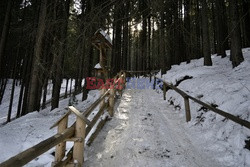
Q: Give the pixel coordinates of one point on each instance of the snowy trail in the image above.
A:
(144, 132)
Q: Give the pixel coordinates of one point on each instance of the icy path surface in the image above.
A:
(145, 132)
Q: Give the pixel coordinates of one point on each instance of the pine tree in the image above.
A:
(220, 28)
(235, 34)
(205, 35)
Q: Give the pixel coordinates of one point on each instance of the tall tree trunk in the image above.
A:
(205, 35)
(59, 58)
(187, 30)
(80, 50)
(14, 77)
(3, 40)
(125, 36)
(86, 72)
(45, 91)
(220, 28)
(66, 88)
(149, 44)
(4, 34)
(23, 77)
(236, 52)
(27, 76)
(176, 34)
(12, 92)
(213, 30)
(116, 51)
(143, 41)
(162, 44)
(246, 21)
(36, 65)
(154, 50)
(198, 48)
(168, 37)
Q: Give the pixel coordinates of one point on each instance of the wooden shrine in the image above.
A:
(102, 42)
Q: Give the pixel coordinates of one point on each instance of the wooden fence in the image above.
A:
(186, 98)
(75, 133)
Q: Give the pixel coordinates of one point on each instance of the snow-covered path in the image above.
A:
(145, 131)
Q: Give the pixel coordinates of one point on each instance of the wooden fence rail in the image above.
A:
(186, 98)
(76, 132)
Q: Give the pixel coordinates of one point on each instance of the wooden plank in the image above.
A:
(111, 102)
(61, 147)
(40, 148)
(98, 129)
(78, 149)
(223, 113)
(102, 91)
(164, 91)
(79, 115)
(182, 93)
(57, 122)
(95, 104)
(154, 85)
(187, 109)
(96, 117)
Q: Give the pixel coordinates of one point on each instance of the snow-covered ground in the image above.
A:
(225, 87)
(33, 128)
(148, 131)
(4, 107)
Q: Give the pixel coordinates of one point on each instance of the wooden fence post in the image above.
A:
(102, 103)
(111, 102)
(187, 109)
(164, 91)
(60, 148)
(114, 87)
(150, 76)
(78, 149)
(154, 82)
(125, 75)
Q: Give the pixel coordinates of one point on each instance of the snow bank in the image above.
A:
(6, 99)
(33, 128)
(222, 86)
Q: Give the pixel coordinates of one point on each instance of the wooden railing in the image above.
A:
(186, 98)
(77, 132)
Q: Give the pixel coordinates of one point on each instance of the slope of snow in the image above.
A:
(32, 128)
(225, 87)
(4, 107)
